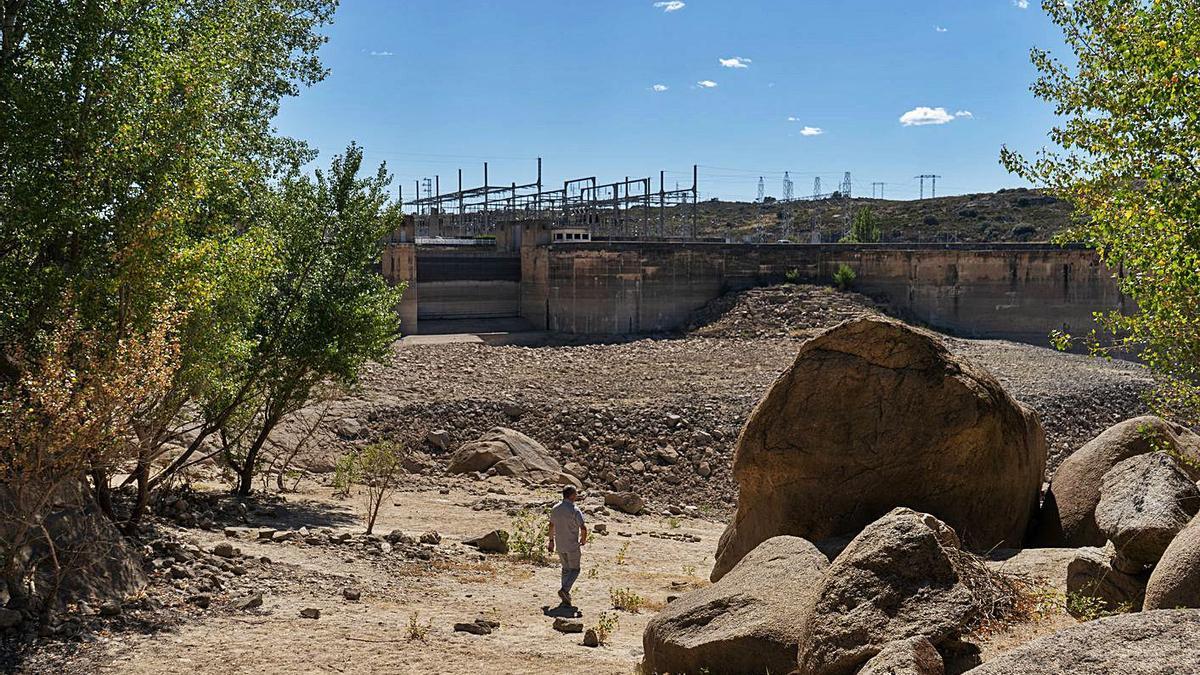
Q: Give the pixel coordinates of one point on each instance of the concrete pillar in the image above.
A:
(400, 267)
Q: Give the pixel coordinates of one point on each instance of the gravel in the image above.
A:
(619, 409)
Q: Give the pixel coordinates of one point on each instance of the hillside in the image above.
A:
(1007, 215)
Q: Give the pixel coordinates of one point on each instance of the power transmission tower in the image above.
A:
(761, 190)
(425, 190)
(846, 186)
(880, 186)
(933, 178)
(787, 187)
(817, 187)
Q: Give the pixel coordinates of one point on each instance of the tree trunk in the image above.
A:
(103, 493)
(246, 470)
(142, 473)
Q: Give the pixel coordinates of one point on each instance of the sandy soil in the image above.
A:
(370, 636)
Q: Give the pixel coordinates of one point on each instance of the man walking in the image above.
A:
(567, 533)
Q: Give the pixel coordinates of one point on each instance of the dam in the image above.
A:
(1014, 291)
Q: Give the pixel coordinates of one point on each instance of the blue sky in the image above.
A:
(431, 86)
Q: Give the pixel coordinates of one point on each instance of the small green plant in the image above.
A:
(792, 276)
(416, 629)
(673, 523)
(528, 538)
(605, 626)
(378, 469)
(689, 570)
(844, 276)
(593, 572)
(622, 553)
(1160, 444)
(344, 477)
(1087, 608)
(626, 600)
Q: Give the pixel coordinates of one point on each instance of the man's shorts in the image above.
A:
(569, 559)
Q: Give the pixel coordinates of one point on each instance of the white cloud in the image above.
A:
(382, 54)
(1021, 4)
(706, 84)
(735, 62)
(793, 118)
(811, 131)
(660, 87)
(941, 29)
(672, 6)
(922, 115)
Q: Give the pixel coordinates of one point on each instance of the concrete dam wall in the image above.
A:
(1011, 291)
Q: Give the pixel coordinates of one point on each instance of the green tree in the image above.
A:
(137, 152)
(1126, 155)
(864, 229)
(328, 312)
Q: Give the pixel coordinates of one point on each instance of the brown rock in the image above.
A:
(1175, 581)
(1092, 575)
(914, 656)
(1144, 502)
(1162, 642)
(591, 638)
(748, 622)
(568, 625)
(472, 628)
(1068, 513)
(899, 578)
(510, 453)
(625, 502)
(1045, 567)
(495, 541)
(874, 414)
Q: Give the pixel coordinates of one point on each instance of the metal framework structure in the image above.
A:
(625, 209)
(931, 177)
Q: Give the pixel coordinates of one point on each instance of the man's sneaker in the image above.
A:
(565, 597)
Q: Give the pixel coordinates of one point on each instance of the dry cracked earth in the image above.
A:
(661, 415)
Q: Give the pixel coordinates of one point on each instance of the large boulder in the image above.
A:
(1163, 642)
(1144, 502)
(748, 622)
(511, 453)
(1068, 515)
(1175, 581)
(903, 576)
(875, 414)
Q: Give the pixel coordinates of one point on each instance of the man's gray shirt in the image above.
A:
(567, 519)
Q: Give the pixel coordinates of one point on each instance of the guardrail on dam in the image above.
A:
(1012, 291)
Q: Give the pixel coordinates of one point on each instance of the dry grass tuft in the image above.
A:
(1000, 599)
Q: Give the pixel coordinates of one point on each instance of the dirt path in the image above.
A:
(371, 636)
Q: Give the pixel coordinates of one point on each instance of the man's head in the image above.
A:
(569, 492)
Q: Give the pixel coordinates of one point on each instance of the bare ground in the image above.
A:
(372, 636)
